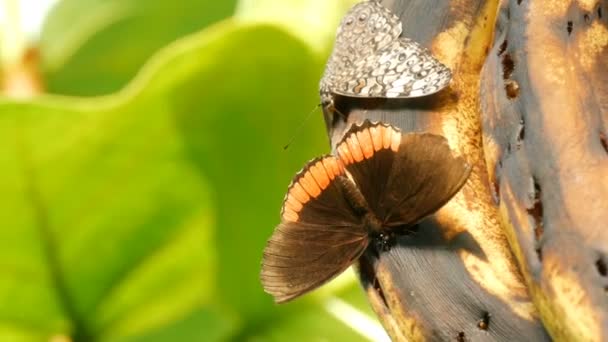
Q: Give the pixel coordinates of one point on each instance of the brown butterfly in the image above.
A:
(379, 182)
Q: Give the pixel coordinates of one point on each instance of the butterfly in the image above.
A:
(380, 181)
(370, 59)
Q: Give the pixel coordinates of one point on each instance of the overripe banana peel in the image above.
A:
(519, 253)
(544, 101)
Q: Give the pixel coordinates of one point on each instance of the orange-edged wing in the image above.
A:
(403, 177)
(319, 236)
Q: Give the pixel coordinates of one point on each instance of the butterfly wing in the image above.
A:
(319, 235)
(366, 28)
(426, 176)
(404, 177)
(402, 69)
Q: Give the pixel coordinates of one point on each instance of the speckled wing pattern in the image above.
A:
(371, 60)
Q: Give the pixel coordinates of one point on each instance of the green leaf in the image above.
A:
(142, 216)
(236, 112)
(103, 222)
(93, 47)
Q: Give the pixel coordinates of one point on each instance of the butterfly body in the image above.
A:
(370, 59)
(369, 220)
(378, 182)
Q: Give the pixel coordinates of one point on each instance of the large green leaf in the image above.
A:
(142, 216)
(92, 47)
(104, 216)
(236, 114)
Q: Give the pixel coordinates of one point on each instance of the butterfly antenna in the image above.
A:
(299, 129)
(339, 112)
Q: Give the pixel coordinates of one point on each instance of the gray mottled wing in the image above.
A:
(402, 69)
(368, 27)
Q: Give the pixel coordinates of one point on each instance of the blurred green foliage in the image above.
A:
(93, 47)
(142, 215)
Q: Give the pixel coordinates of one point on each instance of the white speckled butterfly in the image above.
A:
(371, 60)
